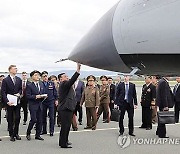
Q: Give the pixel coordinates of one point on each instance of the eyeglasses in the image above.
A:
(44, 76)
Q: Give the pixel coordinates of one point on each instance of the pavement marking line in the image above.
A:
(101, 129)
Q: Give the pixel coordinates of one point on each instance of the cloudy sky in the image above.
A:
(36, 33)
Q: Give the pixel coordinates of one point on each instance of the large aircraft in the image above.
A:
(140, 36)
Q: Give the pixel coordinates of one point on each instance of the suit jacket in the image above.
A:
(8, 87)
(164, 97)
(112, 92)
(31, 92)
(67, 97)
(79, 90)
(24, 97)
(176, 93)
(120, 95)
(148, 95)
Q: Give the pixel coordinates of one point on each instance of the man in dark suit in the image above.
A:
(164, 100)
(24, 100)
(126, 99)
(67, 105)
(176, 93)
(49, 103)
(79, 88)
(112, 93)
(35, 95)
(12, 85)
(147, 98)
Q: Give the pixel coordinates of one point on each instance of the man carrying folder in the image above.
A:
(12, 85)
(35, 95)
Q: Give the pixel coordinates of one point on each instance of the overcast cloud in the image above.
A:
(36, 33)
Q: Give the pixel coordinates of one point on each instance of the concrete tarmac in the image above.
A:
(104, 140)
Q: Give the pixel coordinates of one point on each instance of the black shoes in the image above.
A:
(18, 137)
(28, 137)
(148, 128)
(131, 134)
(39, 138)
(80, 123)
(75, 129)
(142, 127)
(66, 147)
(51, 134)
(12, 139)
(164, 137)
(0, 139)
(120, 134)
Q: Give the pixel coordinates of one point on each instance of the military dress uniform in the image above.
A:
(51, 91)
(148, 96)
(104, 102)
(91, 98)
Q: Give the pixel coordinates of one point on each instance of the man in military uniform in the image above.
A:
(148, 96)
(104, 99)
(91, 98)
(48, 104)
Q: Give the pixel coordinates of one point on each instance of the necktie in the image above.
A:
(24, 87)
(37, 85)
(14, 80)
(175, 89)
(127, 91)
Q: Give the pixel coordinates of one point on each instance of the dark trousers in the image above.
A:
(23, 104)
(51, 117)
(36, 118)
(58, 117)
(13, 119)
(66, 120)
(161, 129)
(126, 107)
(177, 109)
(111, 106)
(91, 116)
(146, 117)
(79, 109)
(103, 107)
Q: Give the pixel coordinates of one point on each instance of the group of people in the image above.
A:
(45, 95)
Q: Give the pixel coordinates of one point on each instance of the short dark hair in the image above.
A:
(24, 73)
(44, 72)
(2, 76)
(34, 72)
(103, 76)
(110, 78)
(53, 76)
(60, 75)
(11, 66)
(91, 76)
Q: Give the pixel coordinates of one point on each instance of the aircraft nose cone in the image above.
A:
(97, 49)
